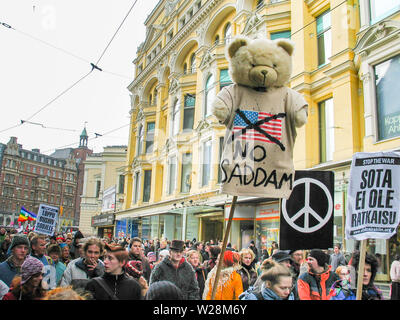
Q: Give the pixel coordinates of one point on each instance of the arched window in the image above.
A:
(150, 99)
(228, 32)
(210, 94)
(193, 63)
(184, 68)
(155, 96)
(175, 119)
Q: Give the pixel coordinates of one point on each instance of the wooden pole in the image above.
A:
(224, 243)
(361, 264)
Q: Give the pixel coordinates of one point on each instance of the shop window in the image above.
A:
(150, 137)
(186, 172)
(387, 76)
(147, 185)
(206, 165)
(172, 175)
(210, 95)
(188, 113)
(324, 38)
(326, 130)
(383, 8)
(224, 78)
(282, 34)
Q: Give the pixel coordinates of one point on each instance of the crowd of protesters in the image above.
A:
(70, 266)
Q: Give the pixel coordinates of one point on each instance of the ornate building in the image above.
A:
(345, 64)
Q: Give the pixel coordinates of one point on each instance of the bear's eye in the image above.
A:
(253, 65)
(274, 65)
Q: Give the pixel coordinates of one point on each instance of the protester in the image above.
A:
(247, 271)
(276, 284)
(229, 285)
(65, 256)
(65, 293)
(38, 250)
(317, 282)
(27, 285)
(114, 284)
(75, 246)
(135, 254)
(151, 257)
(297, 260)
(337, 258)
(343, 272)
(214, 252)
(79, 271)
(54, 251)
(253, 247)
(163, 290)
(19, 249)
(163, 253)
(162, 246)
(395, 277)
(5, 244)
(178, 271)
(193, 257)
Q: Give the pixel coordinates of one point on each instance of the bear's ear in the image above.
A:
(235, 45)
(286, 45)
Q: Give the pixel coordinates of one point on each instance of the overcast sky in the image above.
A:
(32, 73)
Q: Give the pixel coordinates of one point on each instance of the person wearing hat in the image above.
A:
(177, 270)
(316, 283)
(28, 284)
(163, 290)
(19, 249)
(151, 256)
(275, 283)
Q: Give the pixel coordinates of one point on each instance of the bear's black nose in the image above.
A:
(264, 72)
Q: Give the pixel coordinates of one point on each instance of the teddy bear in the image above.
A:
(261, 115)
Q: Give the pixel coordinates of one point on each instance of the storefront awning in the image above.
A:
(196, 210)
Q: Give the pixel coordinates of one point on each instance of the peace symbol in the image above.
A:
(307, 210)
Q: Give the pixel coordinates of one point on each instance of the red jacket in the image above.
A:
(311, 286)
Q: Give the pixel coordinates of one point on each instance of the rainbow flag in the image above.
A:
(26, 215)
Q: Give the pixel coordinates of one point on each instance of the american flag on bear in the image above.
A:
(272, 127)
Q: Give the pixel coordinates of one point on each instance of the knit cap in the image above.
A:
(19, 239)
(319, 255)
(30, 267)
(151, 256)
(163, 290)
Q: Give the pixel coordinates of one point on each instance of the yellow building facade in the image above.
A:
(172, 175)
(103, 191)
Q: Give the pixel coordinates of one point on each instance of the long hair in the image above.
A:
(369, 259)
(26, 291)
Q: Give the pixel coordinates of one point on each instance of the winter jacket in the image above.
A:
(266, 294)
(201, 277)
(145, 265)
(249, 275)
(123, 286)
(312, 286)
(8, 271)
(183, 277)
(341, 290)
(229, 285)
(77, 274)
(337, 260)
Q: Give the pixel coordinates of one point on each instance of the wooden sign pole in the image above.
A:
(224, 243)
(361, 264)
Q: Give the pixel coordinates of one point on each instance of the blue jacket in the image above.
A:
(8, 271)
(267, 294)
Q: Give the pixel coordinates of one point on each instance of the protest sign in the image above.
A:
(373, 200)
(46, 220)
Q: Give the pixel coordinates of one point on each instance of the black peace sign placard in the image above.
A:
(306, 220)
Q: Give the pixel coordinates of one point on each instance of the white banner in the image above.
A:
(373, 199)
(109, 199)
(46, 221)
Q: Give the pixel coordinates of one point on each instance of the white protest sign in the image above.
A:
(46, 220)
(373, 200)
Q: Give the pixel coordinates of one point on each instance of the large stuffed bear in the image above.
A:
(261, 115)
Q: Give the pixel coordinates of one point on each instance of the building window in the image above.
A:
(193, 63)
(186, 180)
(228, 33)
(140, 141)
(172, 175)
(380, 9)
(147, 185)
(206, 163)
(210, 95)
(188, 112)
(221, 150)
(98, 186)
(324, 39)
(224, 78)
(387, 76)
(185, 68)
(150, 137)
(282, 34)
(175, 120)
(136, 188)
(121, 183)
(326, 130)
